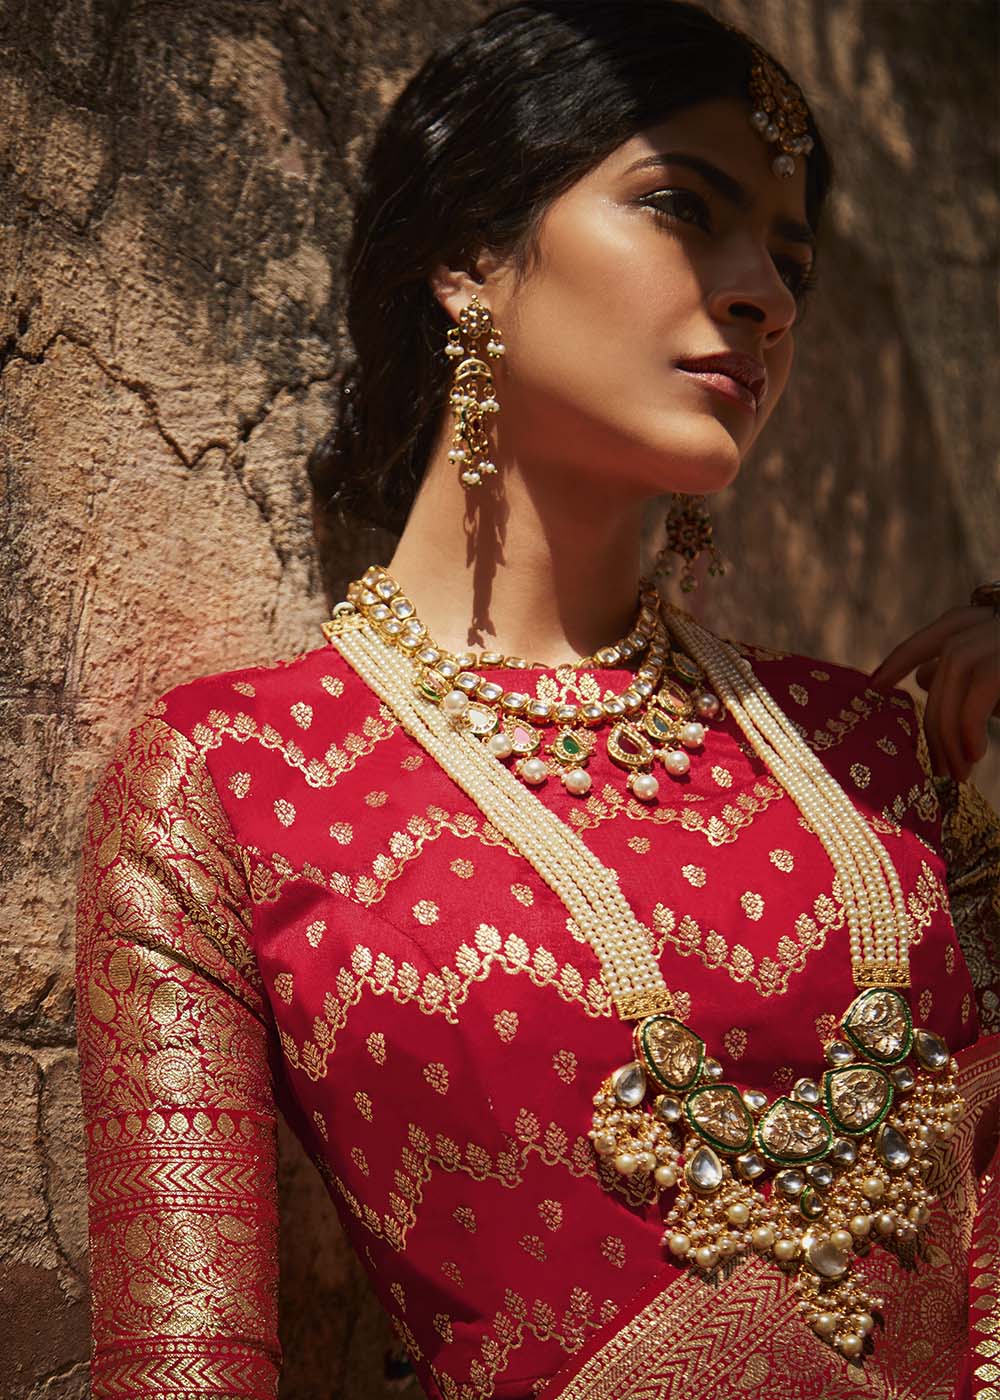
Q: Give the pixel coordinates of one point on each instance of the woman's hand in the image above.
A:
(958, 664)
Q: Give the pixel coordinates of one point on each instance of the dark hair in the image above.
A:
(494, 126)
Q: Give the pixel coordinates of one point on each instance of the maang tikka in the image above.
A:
(472, 390)
(687, 532)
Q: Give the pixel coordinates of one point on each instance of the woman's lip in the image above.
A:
(723, 384)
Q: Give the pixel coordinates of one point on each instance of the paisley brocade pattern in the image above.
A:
(284, 907)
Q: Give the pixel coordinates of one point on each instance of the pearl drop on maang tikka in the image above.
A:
(779, 113)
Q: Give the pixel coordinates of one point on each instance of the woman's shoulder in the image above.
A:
(871, 739)
(814, 690)
(285, 694)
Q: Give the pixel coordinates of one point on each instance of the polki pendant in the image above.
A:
(811, 1179)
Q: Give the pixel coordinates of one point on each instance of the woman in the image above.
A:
(638, 1004)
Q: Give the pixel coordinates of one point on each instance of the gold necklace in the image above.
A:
(844, 1156)
(656, 718)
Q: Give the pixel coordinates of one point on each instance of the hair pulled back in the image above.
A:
(493, 127)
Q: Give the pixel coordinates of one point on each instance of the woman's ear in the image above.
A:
(454, 286)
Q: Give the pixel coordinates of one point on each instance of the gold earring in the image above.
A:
(688, 532)
(472, 390)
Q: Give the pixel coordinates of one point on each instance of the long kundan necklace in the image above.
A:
(811, 1179)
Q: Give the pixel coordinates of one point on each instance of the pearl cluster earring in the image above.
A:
(472, 396)
(687, 532)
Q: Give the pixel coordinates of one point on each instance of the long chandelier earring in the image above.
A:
(687, 532)
(472, 391)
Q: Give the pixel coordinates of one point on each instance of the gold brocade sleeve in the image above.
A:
(970, 838)
(177, 1090)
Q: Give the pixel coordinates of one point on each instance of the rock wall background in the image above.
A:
(175, 183)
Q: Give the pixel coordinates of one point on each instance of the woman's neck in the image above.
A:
(550, 572)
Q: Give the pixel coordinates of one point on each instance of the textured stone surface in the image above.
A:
(175, 194)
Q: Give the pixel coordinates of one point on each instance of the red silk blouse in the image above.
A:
(287, 904)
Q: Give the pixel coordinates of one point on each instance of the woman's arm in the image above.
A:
(177, 1088)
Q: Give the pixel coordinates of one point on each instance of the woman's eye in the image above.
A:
(681, 204)
(800, 277)
(686, 207)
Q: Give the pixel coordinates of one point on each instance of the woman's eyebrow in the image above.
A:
(791, 229)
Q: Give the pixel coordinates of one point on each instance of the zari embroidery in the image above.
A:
(178, 1100)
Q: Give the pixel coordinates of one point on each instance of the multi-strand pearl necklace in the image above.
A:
(852, 1148)
(654, 718)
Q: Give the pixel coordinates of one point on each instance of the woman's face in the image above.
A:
(632, 279)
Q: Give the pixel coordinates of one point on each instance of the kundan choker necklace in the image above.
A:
(812, 1179)
(659, 718)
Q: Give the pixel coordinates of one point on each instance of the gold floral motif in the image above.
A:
(464, 869)
(799, 694)
(441, 991)
(770, 976)
(722, 776)
(564, 1064)
(509, 1328)
(694, 875)
(533, 1245)
(442, 1326)
(270, 872)
(639, 844)
(376, 1046)
(551, 1213)
(319, 773)
(377, 798)
(426, 912)
(505, 1025)
(363, 1104)
(411, 762)
(613, 1250)
(735, 1042)
(861, 774)
(436, 1075)
(718, 829)
(466, 1217)
(315, 932)
(783, 860)
(523, 894)
(837, 727)
(284, 811)
(284, 985)
(239, 784)
(342, 833)
(302, 714)
(752, 904)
